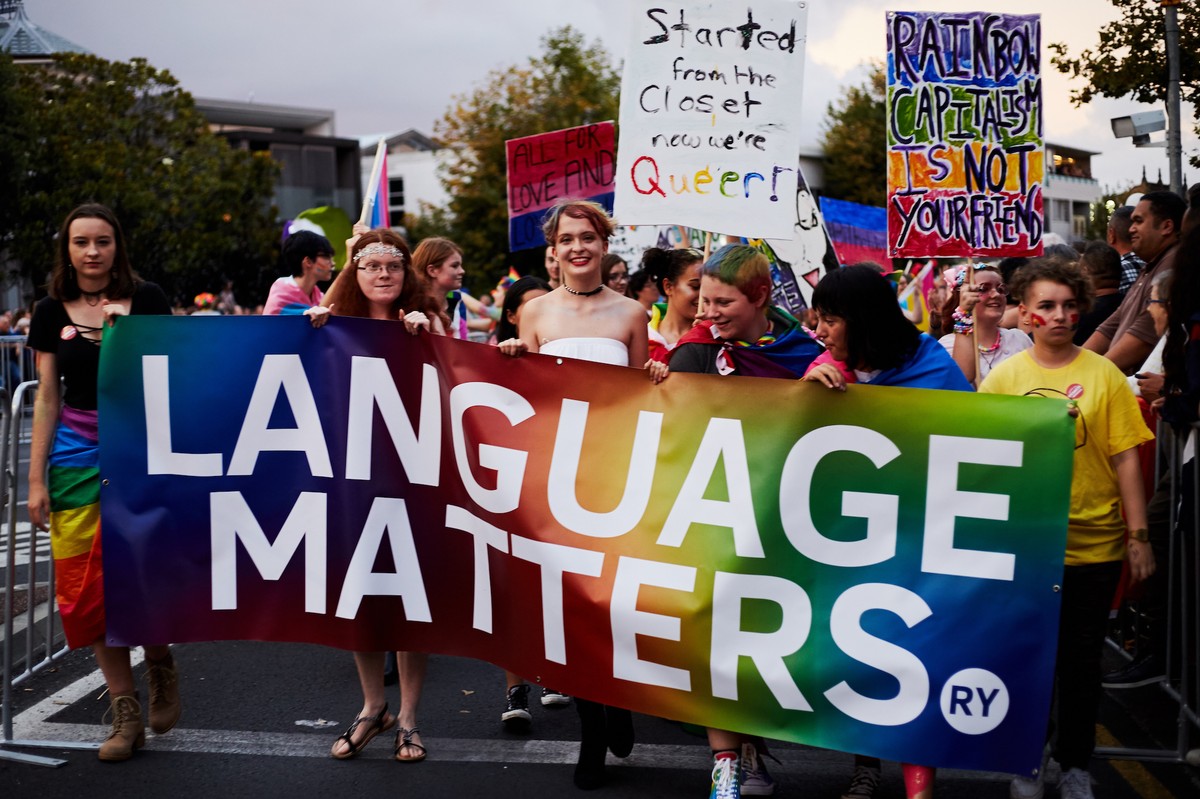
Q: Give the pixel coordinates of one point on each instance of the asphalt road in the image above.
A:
(247, 731)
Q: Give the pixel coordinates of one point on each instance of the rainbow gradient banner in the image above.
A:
(873, 572)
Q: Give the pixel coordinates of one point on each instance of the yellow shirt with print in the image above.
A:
(1109, 423)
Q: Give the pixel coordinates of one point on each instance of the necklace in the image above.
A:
(588, 293)
(92, 298)
(994, 347)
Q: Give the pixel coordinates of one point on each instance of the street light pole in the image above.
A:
(1174, 139)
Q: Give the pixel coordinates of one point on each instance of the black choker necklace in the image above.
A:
(588, 293)
(93, 297)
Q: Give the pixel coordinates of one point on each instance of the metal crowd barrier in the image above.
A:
(1182, 624)
(16, 363)
(12, 427)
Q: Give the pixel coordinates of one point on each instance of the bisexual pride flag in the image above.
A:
(858, 232)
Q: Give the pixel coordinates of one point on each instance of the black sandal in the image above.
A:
(376, 724)
(404, 738)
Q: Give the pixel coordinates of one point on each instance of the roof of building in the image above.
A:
(262, 115)
(411, 139)
(21, 38)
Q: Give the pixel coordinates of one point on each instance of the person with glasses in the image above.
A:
(1107, 480)
(381, 282)
(308, 257)
(976, 311)
(615, 273)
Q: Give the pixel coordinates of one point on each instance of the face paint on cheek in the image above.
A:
(1073, 321)
(1036, 320)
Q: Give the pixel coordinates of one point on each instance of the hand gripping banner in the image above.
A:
(875, 571)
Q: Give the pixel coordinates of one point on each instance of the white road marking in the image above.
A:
(33, 725)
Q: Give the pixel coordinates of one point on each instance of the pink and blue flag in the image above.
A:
(380, 213)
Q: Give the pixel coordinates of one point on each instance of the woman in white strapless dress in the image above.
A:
(587, 320)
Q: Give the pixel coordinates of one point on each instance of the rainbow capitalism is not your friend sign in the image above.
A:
(874, 571)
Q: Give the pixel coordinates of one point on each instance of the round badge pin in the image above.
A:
(1074, 391)
(69, 332)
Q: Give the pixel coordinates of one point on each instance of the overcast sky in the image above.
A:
(386, 65)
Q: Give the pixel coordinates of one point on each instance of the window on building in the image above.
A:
(396, 195)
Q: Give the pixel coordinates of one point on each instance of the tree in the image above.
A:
(571, 83)
(194, 210)
(1130, 59)
(855, 143)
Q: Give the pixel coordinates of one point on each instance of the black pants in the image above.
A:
(1086, 599)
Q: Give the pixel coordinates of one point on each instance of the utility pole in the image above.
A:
(1174, 139)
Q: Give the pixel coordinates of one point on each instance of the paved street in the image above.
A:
(247, 731)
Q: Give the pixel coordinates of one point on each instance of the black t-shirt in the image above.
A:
(78, 357)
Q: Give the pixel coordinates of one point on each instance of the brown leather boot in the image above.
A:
(128, 732)
(164, 694)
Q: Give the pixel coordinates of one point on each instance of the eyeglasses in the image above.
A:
(998, 288)
(375, 269)
(618, 277)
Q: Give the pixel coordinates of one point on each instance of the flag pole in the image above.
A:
(372, 186)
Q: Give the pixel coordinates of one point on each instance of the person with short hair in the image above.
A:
(1127, 336)
(1107, 479)
(1105, 267)
(738, 333)
(308, 258)
(1118, 239)
(587, 320)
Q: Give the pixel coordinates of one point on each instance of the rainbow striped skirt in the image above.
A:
(74, 485)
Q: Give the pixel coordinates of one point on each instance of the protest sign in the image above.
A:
(966, 156)
(575, 163)
(858, 232)
(710, 116)
(872, 571)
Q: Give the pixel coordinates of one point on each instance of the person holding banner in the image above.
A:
(586, 319)
(738, 332)
(379, 282)
(92, 284)
(676, 274)
(976, 310)
(1107, 480)
(868, 340)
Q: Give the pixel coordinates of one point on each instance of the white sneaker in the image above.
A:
(1075, 784)
(1031, 787)
(553, 698)
(756, 780)
(864, 782)
(1027, 787)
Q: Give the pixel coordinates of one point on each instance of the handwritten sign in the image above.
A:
(710, 116)
(966, 156)
(576, 162)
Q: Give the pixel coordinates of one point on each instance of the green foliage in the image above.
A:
(570, 83)
(194, 210)
(855, 143)
(1130, 59)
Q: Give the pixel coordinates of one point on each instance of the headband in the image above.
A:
(378, 248)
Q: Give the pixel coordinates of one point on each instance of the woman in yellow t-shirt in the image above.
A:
(1107, 480)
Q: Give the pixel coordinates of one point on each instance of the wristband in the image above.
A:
(1140, 534)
